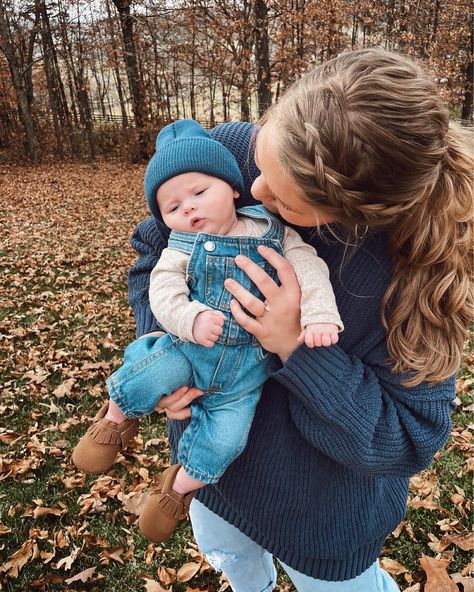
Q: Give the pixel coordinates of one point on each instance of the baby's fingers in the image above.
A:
(300, 338)
(328, 339)
(216, 331)
(219, 318)
(309, 339)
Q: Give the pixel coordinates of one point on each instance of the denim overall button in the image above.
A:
(209, 246)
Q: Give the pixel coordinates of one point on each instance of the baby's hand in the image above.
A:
(319, 334)
(207, 327)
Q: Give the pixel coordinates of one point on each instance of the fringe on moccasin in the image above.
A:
(105, 434)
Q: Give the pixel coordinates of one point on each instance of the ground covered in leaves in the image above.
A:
(64, 320)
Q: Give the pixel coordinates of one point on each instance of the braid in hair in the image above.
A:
(367, 139)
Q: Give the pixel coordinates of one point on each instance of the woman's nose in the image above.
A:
(261, 191)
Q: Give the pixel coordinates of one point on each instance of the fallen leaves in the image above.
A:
(437, 578)
(65, 319)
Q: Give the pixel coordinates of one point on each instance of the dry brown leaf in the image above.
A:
(18, 560)
(437, 578)
(166, 575)
(466, 582)
(4, 529)
(42, 511)
(187, 571)
(392, 567)
(66, 562)
(428, 504)
(153, 586)
(64, 388)
(466, 543)
(83, 576)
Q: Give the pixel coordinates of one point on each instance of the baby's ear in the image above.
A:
(236, 194)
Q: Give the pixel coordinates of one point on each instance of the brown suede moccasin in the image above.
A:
(164, 508)
(97, 449)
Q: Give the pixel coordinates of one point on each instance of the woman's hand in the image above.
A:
(277, 320)
(177, 405)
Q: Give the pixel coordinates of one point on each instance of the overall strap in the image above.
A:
(182, 241)
(275, 229)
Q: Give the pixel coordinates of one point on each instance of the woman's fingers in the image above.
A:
(253, 304)
(267, 286)
(183, 414)
(285, 271)
(178, 400)
(248, 323)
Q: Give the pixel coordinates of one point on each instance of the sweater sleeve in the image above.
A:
(358, 413)
(169, 295)
(318, 303)
(148, 240)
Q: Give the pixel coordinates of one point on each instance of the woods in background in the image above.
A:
(86, 78)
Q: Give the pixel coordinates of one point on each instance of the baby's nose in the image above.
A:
(189, 208)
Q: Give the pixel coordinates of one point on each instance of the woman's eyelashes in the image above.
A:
(284, 206)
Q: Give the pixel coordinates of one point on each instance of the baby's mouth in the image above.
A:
(196, 222)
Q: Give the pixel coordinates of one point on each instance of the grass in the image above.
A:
(64, 322)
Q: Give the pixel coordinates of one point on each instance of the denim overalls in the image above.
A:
(231, 373)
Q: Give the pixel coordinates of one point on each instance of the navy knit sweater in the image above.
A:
(324, 477)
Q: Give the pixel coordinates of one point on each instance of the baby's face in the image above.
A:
(195, 202)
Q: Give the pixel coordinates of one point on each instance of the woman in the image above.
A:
(360, 157)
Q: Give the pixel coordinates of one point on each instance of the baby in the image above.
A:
(191, 184)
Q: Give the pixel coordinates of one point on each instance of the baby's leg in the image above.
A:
(114, 414)
(183, 483)
(152, 366)
(133, 355)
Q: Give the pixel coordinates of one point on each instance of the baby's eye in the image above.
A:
(173, 209)
(200, 192)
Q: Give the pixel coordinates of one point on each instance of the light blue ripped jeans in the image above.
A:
(250, 568)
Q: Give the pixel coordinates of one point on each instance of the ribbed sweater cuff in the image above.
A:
(326, 381)
(320, 367)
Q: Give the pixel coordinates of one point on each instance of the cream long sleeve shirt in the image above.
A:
(169, 292)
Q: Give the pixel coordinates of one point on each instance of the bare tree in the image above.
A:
(262, 56)
(133, 73)
(24, 105)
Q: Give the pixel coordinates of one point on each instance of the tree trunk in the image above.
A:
(466, 110)
(116, 69)
(24, 104)
(192, 94)
(57, 96)
(262, 57)
(133, 74)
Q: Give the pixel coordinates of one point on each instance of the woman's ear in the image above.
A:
(236, 194)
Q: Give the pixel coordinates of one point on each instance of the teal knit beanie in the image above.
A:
(184, 147)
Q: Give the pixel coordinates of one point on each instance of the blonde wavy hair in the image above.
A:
(367, 138)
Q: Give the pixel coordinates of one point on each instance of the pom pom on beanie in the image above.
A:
(184, 147)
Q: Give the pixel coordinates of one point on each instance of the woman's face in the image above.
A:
(275, 189)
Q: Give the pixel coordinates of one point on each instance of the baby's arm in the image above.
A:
(189, 319)
(320, 320)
